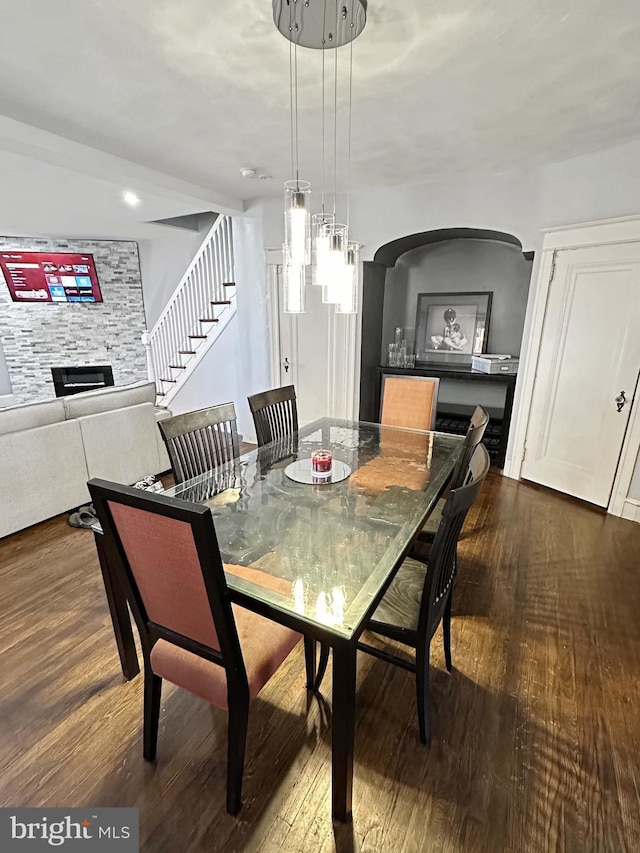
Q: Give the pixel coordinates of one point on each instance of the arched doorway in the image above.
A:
(448, 260)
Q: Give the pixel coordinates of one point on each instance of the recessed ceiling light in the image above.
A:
(131, 198)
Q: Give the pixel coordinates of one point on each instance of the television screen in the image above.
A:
(50, 277)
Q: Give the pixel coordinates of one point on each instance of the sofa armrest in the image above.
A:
(162, 413)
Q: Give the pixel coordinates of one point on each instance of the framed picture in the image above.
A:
(451, 327)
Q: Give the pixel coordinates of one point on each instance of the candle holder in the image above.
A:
(321, 463)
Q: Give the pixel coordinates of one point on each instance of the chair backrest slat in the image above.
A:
(200, 441)
(275, 414)
(442, 557)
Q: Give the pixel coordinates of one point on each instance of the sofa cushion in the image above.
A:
(44, 473)
(107, 399)
(30, 416)
(119, 445)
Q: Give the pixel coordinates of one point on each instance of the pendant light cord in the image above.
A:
(335, 117)
(295, 63)
(291, 91)
(349, 128)
(324, 23)
(293, 97)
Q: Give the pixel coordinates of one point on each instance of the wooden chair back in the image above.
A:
(170, 567)
(442, 558)
(409, 401)
(275, 414)
(475, 434)
(201, 441)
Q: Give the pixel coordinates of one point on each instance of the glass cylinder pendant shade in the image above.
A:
(321, 225)
(297, 222)
(292, 285)
(351, 283)
(331, 269)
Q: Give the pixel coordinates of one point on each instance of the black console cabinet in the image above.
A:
(454, 417)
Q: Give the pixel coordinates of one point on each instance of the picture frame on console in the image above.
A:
(452, 327)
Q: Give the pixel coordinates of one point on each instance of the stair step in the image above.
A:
(186, 352)
(228, 284)
(222, 302)
(197, 337)
(168, 380)
(177, 366)
(208, 320)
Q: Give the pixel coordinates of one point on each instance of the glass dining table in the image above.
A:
(317, 553)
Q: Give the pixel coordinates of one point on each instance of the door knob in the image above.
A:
(620, 401)
(286, 368)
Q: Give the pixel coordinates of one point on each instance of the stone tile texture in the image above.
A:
(36, 337)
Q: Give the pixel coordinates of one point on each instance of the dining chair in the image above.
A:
(419, 597)
(474, 435)
(275, 414)
(201, 441)
(409, 401)
(170, 568)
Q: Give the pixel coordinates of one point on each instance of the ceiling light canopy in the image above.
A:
(320, 24)
(325, 245)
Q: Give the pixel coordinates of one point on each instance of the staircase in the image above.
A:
(202, 305)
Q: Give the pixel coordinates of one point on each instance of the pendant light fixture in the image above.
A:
(348, 303)
(319, 240)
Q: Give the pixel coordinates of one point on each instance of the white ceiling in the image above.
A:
(197, 89)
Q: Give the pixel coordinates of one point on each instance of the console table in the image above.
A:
(454, 417)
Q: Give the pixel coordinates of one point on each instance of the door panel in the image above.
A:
(590, 351)
(304, 344)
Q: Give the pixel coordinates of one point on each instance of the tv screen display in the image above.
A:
(50, 277)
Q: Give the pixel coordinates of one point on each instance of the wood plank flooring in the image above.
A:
(536, 732)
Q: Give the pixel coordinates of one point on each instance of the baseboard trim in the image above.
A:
(631, 509)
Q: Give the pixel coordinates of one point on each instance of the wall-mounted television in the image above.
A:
(50, 277)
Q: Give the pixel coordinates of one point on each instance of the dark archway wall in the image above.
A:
(458, 266)
(443, 263)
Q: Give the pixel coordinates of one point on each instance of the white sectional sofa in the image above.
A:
(49, 450)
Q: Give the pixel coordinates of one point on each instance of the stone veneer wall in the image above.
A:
(36, 337)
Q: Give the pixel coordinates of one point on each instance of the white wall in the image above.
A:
(598, 186)
(164, 260)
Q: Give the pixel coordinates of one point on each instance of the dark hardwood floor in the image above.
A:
(536, 732)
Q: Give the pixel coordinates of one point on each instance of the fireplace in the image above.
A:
(72, 380)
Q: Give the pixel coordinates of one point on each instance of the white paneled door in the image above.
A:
(304, 354)
(587, 371)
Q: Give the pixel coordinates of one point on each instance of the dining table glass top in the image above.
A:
(322, 551)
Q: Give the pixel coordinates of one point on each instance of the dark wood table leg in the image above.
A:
(344, 711)
(119, 612)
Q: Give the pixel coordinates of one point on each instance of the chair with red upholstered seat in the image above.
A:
(170, 567)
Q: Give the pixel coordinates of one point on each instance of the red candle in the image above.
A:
(321, 461)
